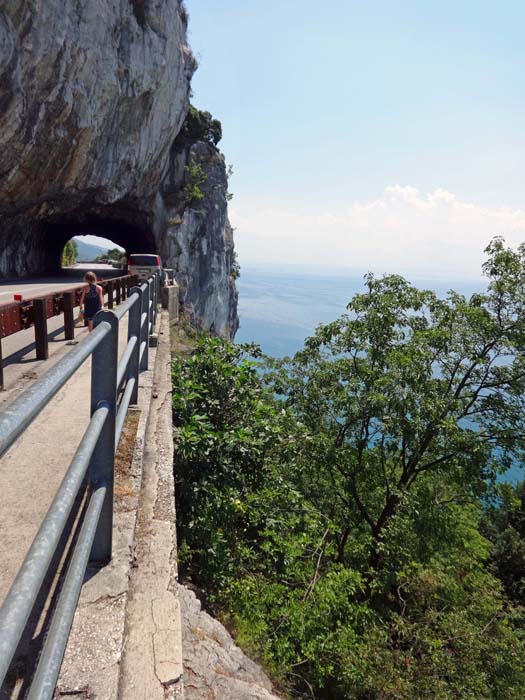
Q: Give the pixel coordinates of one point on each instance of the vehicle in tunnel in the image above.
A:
(143, 264)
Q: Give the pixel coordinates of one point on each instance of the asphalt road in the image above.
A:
(71, 277)
(18, 350)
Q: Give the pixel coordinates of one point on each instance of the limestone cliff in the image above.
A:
(92, 96)
(199, 238)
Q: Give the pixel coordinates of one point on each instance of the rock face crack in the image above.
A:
(104, 599)
(79, 693)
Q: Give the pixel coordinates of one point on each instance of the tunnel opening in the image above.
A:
(92, 250)
(131, 238)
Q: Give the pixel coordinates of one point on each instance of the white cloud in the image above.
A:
(403, 231)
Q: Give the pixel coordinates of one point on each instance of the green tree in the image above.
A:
(225, 422)
(69, 254)
(330, 504)
(406, 385)
(115, 254)
(504, 525)
(200, 126)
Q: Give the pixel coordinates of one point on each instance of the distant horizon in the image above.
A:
(341, 271)
(279, 306)
(320, 269)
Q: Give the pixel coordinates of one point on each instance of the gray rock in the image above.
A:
(92, 96)
(199, 242)
(214, 667)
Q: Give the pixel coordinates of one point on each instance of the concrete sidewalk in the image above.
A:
(125, 642)
(126, 637)
(31, 471)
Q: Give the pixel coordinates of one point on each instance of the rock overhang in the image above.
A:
(92, 100)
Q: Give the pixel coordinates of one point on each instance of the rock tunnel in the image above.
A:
(37, 249)
(132, 237)
(94, 140)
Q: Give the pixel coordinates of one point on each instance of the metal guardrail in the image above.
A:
(20, 315)
(114, 386)
(169, 275)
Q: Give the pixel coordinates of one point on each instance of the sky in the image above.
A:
(98, 241)
(374, 134)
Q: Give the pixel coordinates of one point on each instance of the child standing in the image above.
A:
(92, 297)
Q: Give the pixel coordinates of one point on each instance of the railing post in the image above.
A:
(117, 292)
(158, 294)
(1, 367)
(40, 320)
(152, 299)
(134, 330)
(159, 288)
(154, 315)
(69, 321)
(110, 294)
(102, 465)
(144, 331)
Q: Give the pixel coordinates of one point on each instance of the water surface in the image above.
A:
(279, 308)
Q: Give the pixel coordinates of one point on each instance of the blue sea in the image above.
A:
(280, 307)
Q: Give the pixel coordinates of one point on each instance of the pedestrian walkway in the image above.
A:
(31, 471)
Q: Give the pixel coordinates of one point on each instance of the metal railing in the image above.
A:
(169, 276)
(35, 311)
(114, 386)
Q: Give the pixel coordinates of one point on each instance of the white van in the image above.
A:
(143, 264)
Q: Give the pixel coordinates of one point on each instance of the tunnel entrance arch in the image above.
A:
(133, 238)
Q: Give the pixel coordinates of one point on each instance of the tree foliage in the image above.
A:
(407, 385)
(194, 179)
(113, 255)
(504, 525)
(69, 254)
(341, 505)
(200, 126)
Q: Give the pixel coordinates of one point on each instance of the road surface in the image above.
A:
(71, 277)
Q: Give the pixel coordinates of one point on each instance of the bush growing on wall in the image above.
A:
(195, 177)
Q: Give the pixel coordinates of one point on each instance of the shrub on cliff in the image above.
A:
(200, 126)
(194, 179)
(225, 424)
